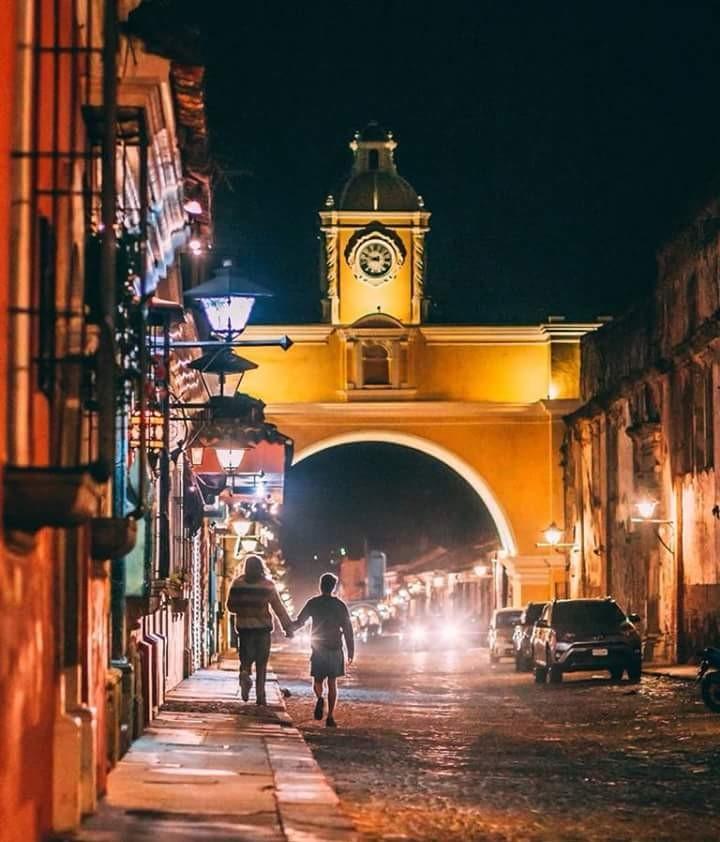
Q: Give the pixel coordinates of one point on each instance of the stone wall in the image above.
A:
(648, 429)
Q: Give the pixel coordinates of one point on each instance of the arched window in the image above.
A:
(375, 365)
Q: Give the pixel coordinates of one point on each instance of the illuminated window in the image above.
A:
(375, 365)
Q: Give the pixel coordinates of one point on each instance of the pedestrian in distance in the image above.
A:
(250, 599)
(330, 624)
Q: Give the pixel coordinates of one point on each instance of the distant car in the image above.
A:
(523, 634)
(440, 632)
(581, 635)
(500, 633)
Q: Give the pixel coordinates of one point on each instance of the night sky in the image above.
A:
(556, 144)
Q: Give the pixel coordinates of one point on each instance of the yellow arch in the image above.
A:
(452, 460)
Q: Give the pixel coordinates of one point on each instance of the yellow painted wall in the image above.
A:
(316, 371)
(512, 457)
(511, 373)
(308, 372)
(358, 298)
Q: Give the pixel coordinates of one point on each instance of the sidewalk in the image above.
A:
(683, 672)
(211, 767)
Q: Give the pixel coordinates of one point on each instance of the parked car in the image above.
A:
(500, 633)
(580, 635)
(523, 634)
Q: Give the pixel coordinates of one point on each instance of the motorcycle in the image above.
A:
(709, 678)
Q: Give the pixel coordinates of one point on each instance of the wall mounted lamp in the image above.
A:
(553, 535)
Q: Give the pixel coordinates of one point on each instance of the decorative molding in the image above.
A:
(331, 262)
(356, 219)
(418, 273)
(474, 411)
(388, 394)
(433, 334)
(310, 334)
(505, 335)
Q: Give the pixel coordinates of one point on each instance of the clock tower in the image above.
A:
(373, 239)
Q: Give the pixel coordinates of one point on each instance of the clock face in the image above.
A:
(375, 261)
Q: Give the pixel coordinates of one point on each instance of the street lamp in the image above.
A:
(230, 456)
(646, 508)
(553, 538)
(227, 299)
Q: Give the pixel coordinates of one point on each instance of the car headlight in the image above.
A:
(418, 634)
(450, 633)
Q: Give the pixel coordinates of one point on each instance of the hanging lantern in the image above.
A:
(154, 430)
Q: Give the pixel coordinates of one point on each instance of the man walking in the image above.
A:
(330, 623)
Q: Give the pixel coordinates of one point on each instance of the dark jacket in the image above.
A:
(250, 602)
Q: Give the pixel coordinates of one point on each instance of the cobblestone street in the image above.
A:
(437, 747)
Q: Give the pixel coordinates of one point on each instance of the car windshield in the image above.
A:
(507, 618)
(533, 612)
(600, 616)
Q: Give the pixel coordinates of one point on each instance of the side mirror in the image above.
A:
(634, 618)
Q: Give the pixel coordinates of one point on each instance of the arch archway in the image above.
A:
(442, 454)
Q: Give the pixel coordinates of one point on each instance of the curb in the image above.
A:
(660, 673)
(308, 806)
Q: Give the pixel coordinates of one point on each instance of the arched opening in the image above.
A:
(403, 522)
(456, 463)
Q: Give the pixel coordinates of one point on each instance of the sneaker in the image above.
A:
(330, 722)
(245, 686)
(319, 705)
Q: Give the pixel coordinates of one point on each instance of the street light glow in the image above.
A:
(230, 457)
(646, 508)
(553, 534)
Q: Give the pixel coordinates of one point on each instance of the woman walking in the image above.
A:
(250, 599)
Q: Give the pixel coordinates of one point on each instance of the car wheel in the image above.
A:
(616, 673)
(540, 674)
(555, 675)
(710, 689)
(634, 671)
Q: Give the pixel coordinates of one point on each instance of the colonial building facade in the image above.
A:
(486, 400)
(641, 454)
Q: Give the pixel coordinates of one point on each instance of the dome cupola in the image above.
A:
(374, 183)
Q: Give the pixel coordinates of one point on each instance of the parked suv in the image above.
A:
(500, 633)
(575, 635)
(523, 634)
